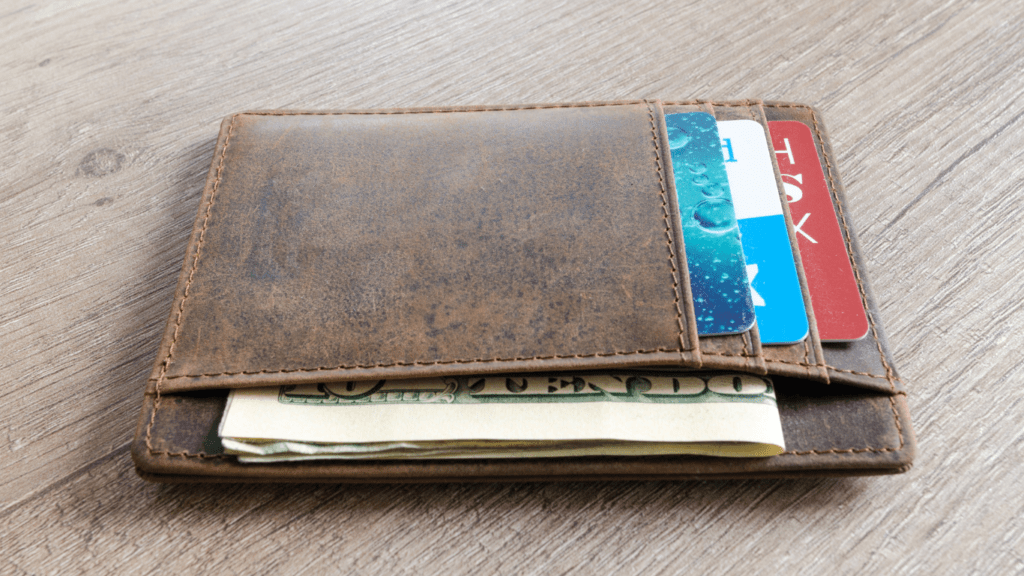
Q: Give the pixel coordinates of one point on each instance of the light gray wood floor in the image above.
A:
(108, 115)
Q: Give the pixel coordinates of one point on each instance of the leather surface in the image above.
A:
(380, 245)
(295, 260)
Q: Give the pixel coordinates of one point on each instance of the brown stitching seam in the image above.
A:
(187, 454)
(486, 360)
(737, 104)
(439, 362)
(668, 229)
(324, 369)
(184, 296)
(729, 354)
(436, 111)
(807, 365)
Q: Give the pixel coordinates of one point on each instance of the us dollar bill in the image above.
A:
(585, 414)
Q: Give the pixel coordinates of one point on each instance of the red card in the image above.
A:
(835, 297)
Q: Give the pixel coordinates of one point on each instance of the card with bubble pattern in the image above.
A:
(714, 254)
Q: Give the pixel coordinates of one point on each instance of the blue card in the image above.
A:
(774, 285)
(714, 255)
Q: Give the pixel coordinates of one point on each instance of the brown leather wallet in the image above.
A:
(367, 244)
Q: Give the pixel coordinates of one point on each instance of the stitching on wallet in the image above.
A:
(668, 229)
(181, 305)
(436, 363)
(728, 354)
(187, 454)
(849, 249)
(808, 365)
(879, 376)
(436, 111)
(553, 357)
(737, 104)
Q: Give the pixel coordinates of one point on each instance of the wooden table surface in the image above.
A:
(108, 116)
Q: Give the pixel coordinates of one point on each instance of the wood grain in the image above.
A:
(108, 113)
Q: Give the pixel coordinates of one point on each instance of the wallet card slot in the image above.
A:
(866, 362)
(728, 351)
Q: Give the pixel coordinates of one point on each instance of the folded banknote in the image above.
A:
(586, 414)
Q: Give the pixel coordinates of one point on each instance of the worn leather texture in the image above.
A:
(354, 245)
(397, 243)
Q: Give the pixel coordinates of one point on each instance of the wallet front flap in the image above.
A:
(372, 244)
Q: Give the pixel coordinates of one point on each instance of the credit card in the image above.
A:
(835, 297)
(714, 253)
(774, 285)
